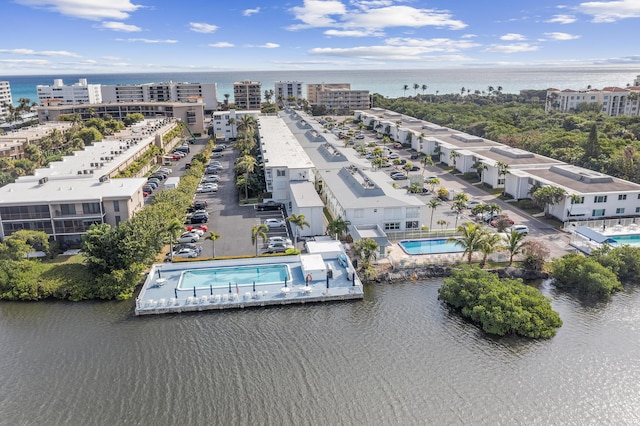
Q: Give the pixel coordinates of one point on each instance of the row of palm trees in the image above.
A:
(475, 237)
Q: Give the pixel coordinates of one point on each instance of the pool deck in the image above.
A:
(160, 293)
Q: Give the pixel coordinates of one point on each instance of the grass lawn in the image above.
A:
(64, 277)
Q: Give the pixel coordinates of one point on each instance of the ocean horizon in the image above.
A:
(388, 83)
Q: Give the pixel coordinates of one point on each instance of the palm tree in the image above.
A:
(453, 155)
(442, 223)
(489, 244)
(173, 228)
(404, 89)
(366, 250)
(480, 167)
(299, 221)
(248, 164)
(213, 237)
(226, 100)
(433, 205)
(471, 235)
(416, 86)
(575, 199)
(424, 87)
(259, 231)
(337, 227)
(503, 169)
(234, 129)
(426, 161)
(421, 137)
(514, 244)
(433, 182)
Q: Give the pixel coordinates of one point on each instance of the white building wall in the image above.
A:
(77, 93)
(5, 97)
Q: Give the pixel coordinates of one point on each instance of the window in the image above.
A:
(413, 212)
(67, 209)
(392, 226)
(620, 210)
(88, 208)
(358, 213)
(411, 224)
(500, 181)
(637, 209)
(117, 220)
(581, 201)
(600, 199)
(622, 197)
(598, 213)
(281, 172)
(116, 206)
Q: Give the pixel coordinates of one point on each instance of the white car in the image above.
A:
(275, 223)
(211, 179)
(279, 240)
(207, 187)
(200, 232)
(189, 237)
(393, 156)
(184, 252)
(520, 229)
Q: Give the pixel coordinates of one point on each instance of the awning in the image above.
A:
(592, 235)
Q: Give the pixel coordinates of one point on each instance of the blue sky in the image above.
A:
(94, 36)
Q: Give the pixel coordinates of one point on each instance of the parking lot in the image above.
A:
(227, 218)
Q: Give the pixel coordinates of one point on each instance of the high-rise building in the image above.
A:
(247, 94)
(5, 98)
(285, 90)
(163, 92)
(77, 93)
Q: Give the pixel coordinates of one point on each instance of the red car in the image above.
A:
(506, 218)
(200, 227)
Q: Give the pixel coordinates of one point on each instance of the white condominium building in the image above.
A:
(77, 93)
(288, 89)
(5, 98)
(163, 92)
(247, 94)
(611, 100)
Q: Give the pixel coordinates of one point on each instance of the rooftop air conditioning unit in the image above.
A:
(43, 180)
(104, 178)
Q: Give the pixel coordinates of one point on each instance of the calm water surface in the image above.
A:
(398, 357)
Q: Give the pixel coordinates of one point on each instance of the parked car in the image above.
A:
(187, 166)
(198, 231)
(414, 156)
(199, 217)
(216, 155)
(393, 156)
(360, 137)
(499, 218)
(396, 172)
(211, 179)
(275, 223)
(214, 163)
(269, 205)
(166, 169)
(184, 253)
(212, 171)
(399, 177)
(278, 240)
(188, 237)
(191, 246)
(203, 228)
(207, 187)
(278, 248)
(219, 148)
(520, 229)
(397, 145)
(154, 184)
(199, 205)
(412, 168)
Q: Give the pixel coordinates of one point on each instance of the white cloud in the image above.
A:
(561, 36)
(249, 12)
(221, 44)
(119, 26)
(269, 46)
(562, 19)
(402, 49)
(610, 11)
(353, 33)
(32, 52)
(369, 15)
(316, 13)
(511, 48)
(86, 9)
(201, 27)
(146, 40)
(25, 61)
(513, 37)
(111, 58)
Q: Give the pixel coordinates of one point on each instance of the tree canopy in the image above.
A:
(499, 306)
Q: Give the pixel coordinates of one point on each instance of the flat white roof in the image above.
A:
(68, 191)
(280, 148)
(305, 195)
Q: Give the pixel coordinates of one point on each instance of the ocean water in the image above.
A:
(388, 83)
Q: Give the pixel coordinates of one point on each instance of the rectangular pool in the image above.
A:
(430, 246)
(240, 275)
(620, 240)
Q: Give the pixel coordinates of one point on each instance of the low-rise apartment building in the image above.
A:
(338, 98)
(516, 170)
(610, 100)
(224, 124)
(192, 114)
(13, 142)
(5, 99)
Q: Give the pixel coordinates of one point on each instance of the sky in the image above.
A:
(113, 36)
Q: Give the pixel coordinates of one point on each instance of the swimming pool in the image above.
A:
(431, 246)
(241, 275)
(632, 240)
